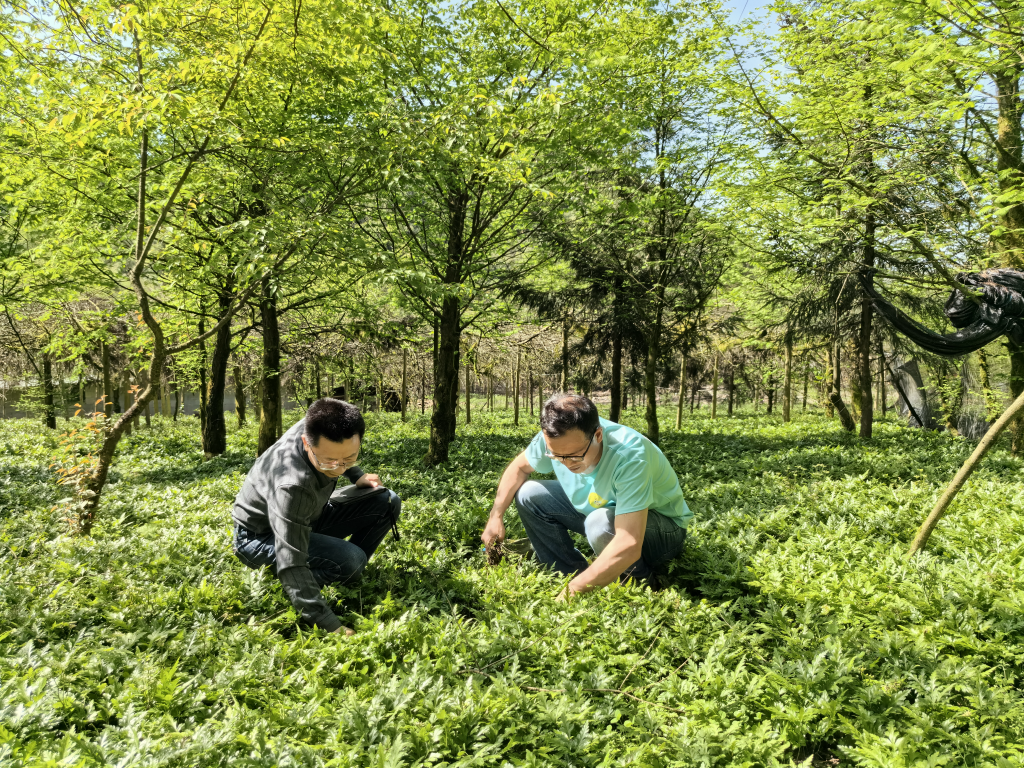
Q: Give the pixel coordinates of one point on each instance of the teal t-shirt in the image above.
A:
(633, 474)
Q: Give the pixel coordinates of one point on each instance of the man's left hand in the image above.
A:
(368, 481)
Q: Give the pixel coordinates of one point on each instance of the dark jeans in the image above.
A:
(548, 516)
(363, 516)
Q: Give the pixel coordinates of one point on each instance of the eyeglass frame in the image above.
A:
(574, 459)
(326, 468)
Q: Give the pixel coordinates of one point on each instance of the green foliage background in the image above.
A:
(793, 630)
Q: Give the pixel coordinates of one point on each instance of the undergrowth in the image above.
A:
(793, 632)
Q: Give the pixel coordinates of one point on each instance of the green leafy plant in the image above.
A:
(792, 631)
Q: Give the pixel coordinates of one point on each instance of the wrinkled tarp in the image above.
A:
(999, 311)
(910, 384)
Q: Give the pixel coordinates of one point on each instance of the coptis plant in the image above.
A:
(792, 631)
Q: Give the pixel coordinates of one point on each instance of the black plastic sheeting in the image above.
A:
(913, 402)
(997, 311)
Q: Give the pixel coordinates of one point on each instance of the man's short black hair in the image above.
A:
(334, 419)
(563, 412)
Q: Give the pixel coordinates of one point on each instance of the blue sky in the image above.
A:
(742, 8)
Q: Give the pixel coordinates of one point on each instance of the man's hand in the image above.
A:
(515, 474)
(494, 531)
(343, 629)
(368, 481)
(569, 591)
(625, 548)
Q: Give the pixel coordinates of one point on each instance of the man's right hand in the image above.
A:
(493, 532)
(343, 630)
(515, 474)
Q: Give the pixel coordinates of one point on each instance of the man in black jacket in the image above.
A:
(289, 517)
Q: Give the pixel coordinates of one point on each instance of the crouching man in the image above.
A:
(289, 517)
(613, 485)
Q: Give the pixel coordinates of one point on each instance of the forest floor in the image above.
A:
(794, 630)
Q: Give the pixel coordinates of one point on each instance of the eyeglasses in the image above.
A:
(572, 459)
(328, 465)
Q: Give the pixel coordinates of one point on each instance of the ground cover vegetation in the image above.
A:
(443, 213)
(792, 631)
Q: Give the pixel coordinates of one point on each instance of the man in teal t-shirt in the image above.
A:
(613, 485)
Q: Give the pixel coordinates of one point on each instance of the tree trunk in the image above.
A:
(469, 388)
(239, 396)
(215, 431)
(807, 381)
(991, 399)
(714, 389)
(529, 376)
(615, 409)
(202, 378)
(515, 388)
(146, 405)
(423, 388)
(835, 395)
(787, 385)
(165, 386)
(458, 383)
(48, 410)
(682, 391)
(177, 400)
(270, 407)
(1016, 353)
(405, 382)
(126, 386)
(855, 391)
(732, 390)
(446, 383)
(105, 455)
(158, 398)
(564, 383)
(1010, 173)
(108, 387)
(316, 373)
(1009, 159)
(280, 408)
(436, 343)
(651, 380)
(864, 348)
(881, 377)
(826, 384)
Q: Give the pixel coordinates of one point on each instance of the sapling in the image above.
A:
(965, 472)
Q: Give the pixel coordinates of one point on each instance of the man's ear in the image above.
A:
(599, 434)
